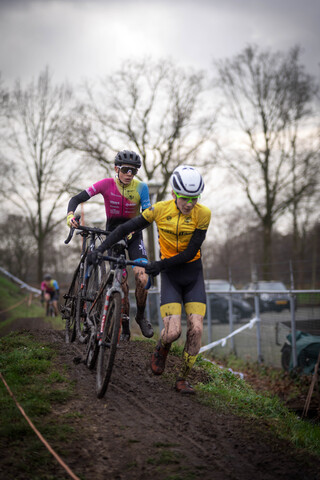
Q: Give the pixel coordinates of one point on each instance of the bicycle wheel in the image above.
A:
(94, 282)
(69, 309)
(93, 318)
(108, 346)
(51, 311)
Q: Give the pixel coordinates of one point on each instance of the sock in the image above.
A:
(188, 362)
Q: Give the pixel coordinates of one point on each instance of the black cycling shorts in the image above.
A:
(183, 284)
(136, 248)
(54, 295)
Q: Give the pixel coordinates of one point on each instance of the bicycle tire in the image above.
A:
(95, 316)
(51, 311)
(108, 345)
(70, 307)
(94, 282)
(85, 299)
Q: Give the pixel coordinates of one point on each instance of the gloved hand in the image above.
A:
(153, 268)
(94, 258)
(71, 220)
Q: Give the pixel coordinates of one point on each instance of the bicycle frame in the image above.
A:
(105, 335)
(114, 279)
(78, 296)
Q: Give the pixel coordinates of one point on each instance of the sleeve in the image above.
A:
(204, 218)
(144, 197)
(76, 200)
(189, 253)
(132, 225)
(55, 284)
(150, 214)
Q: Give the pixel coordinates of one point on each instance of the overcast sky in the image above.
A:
(84, 39)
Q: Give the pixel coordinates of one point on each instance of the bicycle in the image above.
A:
(84, 285)
(50, 311)
(106, 315)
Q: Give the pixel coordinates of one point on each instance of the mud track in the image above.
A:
(144, 430)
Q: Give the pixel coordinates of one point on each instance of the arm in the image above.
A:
(76, 200)
(72, 206)
(188, 254)
(133, 225)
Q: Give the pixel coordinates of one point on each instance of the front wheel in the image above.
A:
(108, 344)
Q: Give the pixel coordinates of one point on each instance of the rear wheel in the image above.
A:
(108, 345)
(69, 309)
(86, 297)
(96, 275)
(50, 310)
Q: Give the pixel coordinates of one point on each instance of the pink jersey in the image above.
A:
(121, 202)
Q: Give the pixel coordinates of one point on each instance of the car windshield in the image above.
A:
(271, 286)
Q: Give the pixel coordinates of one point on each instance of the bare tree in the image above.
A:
(269, 104)
(37, 173)
(17, 250)
(154, 108)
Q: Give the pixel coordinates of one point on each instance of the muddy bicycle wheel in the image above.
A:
(94, 317)
(96, 275)
(108, 346)
(69, 309)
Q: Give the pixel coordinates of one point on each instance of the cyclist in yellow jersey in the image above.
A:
(182, 225)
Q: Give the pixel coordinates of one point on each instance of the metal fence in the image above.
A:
(263, 336)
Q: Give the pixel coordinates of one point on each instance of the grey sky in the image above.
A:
(85, 39)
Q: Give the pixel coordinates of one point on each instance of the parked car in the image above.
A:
(269, 301)
(219, 305)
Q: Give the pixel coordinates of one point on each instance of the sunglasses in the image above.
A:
(131, 170)
(187, 199)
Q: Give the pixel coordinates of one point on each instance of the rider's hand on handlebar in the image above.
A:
(153, 268)
(94, 258)
(72, 221)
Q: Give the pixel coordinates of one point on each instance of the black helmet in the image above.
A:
(47, 276)
(128, 158)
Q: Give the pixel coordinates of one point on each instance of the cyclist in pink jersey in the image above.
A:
(124, 196)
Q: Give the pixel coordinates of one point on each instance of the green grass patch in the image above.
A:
(228, 391)
(18, 303)
(27, 367)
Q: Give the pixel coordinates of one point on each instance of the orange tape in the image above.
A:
(43, 440)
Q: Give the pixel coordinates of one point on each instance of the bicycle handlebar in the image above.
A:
(122, 261)
(83, 228)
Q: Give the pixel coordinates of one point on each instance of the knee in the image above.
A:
(172, 334)
(141, 277)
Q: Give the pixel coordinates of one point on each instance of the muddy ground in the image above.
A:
(144, 430)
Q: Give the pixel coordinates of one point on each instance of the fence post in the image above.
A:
(230, 310)
(293, 320)
(209, 319)
(257, 313)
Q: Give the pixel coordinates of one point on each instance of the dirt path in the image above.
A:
(144, 430)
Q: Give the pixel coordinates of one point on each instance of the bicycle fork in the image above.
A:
(105, 312)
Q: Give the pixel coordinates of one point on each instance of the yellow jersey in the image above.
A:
(175, 229)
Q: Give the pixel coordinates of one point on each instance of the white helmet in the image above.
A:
(186, 181)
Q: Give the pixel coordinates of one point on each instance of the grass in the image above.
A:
(16, 303)
(27, 367)
(227, 392)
